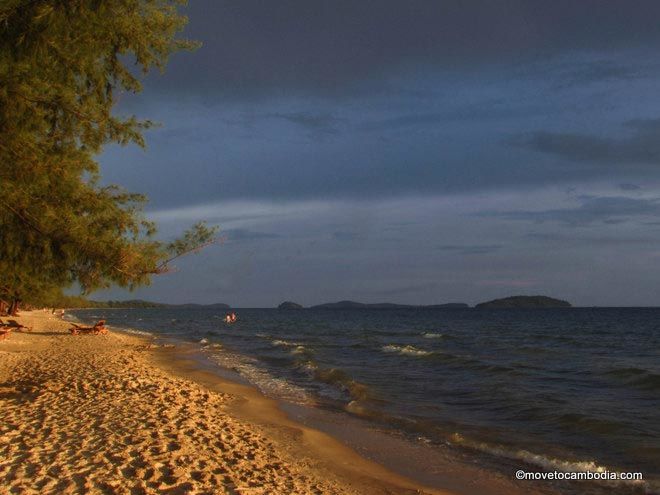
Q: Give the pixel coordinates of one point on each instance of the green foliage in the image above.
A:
(63, 66)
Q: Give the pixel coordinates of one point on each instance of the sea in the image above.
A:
(571, 389)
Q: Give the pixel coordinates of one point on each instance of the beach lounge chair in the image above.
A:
(14, 325)
(96, 329)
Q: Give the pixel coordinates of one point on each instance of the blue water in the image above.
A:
(566, 389)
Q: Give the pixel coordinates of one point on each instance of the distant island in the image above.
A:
(359, 305)
(290, 305)
(524, 302)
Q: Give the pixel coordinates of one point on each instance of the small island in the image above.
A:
(290, 305)
(524, 302)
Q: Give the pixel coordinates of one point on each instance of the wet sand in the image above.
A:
(116, 414)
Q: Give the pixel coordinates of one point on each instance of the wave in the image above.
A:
(341, 379)
(649, 382)
(637, 377)
(582, 422)
(626, 372)
(383, 333)
(296, 347)
(406, 350)
(268, 384)
(299, 349)
(135, 331)
(285, 343)
(357, 408)
(432, 335)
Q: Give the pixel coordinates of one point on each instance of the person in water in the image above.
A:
(230, 317)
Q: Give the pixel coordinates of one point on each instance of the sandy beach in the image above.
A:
(111, 414)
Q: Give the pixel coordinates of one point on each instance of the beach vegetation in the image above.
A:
(63, 67)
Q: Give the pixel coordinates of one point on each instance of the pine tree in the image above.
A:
(63, 64)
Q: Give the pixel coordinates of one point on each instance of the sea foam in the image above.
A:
(270, 385)
(284, 343)
(405, 350)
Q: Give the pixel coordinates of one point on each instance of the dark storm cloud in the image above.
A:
(593, 209)
(483, 111)
(601, 71)
(253, 47)
(346, 236)
(601, 240)
(595, 72)
(471, 249)
(321, 123)
(641, 146)
(487, 110)
(424, 94)
(412, 120)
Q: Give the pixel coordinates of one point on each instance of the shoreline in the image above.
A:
(427, 468)
(139, 389)
(396, 460)
(115, 414)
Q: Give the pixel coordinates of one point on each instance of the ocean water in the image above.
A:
(566, 389)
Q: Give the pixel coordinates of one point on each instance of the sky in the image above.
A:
(417, 152)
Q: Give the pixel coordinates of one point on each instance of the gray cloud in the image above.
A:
(629, 187)
(597, 71)
(641, 147)
(251, 47)
(320, 122)
(599, 239)
(413, 120)
(345, 236)
(593, 209)
(471, 249)
(484, 110)
(239, 235)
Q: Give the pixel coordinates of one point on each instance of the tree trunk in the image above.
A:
(13, 309)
